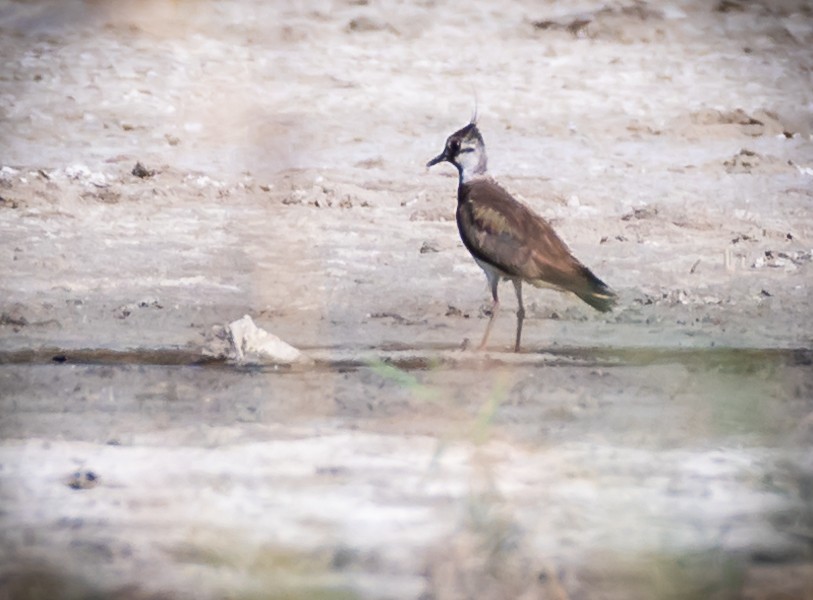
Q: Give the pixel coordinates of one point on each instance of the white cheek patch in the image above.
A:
(471, 162)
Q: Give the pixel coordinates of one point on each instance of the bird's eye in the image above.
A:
(454, 145)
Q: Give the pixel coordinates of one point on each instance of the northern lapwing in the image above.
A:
(509, 240)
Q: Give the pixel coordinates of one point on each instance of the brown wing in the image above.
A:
(501, 231)
(507, 234)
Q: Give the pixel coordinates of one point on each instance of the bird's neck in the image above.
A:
(469, 172)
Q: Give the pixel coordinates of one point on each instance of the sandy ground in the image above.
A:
(660, 451)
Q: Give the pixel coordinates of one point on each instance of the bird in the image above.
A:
(507, 239)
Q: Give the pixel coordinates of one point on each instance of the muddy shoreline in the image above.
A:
(169, 167)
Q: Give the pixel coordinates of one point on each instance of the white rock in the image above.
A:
(81, 173)
(7, 172)
(77, 172)
(252, 344)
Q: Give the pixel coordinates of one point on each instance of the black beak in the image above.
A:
(439, 158)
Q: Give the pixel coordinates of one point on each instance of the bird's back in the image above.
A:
(503, 232)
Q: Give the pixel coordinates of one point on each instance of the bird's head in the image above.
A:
(466, 151)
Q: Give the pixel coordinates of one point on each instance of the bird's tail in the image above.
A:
(595, 292)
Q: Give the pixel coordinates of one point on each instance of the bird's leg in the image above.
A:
(495, 308)
(520, 312)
